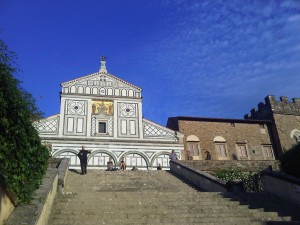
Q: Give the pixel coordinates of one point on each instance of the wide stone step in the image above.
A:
(161, 217)
(221, 209)
(156, 222)
(127, 195)
(197, 196)
(152, 197)
(140, 203)
(112, 213)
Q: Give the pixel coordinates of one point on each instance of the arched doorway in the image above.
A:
(99, 159)
(161, 158)
(136, 159)
(70, 154)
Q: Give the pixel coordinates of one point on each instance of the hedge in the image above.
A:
(23, 159)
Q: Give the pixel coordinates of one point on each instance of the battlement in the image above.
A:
(271, 105)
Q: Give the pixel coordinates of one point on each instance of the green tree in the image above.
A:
(290, 161)
(23, 159)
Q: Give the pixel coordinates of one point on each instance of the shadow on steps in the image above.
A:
(261, 201)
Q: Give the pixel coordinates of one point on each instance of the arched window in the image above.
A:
(193, 146)
(109, 91)
(88, 90)
(220, 146)
(130, 93)
(124, 92)
(295, 134)
(73, 89)
(80, 90)
(95, 91)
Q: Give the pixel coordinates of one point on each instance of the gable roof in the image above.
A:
(98, 76)
(191, 118)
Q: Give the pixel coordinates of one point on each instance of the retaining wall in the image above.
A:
(38, 211)
(243, 165)
(198, 178)
(283, 186)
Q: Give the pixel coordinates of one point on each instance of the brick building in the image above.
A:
(271, 129)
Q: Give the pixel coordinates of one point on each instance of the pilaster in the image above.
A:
(62, 117)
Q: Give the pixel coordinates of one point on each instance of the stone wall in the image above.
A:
(243, 165)
(6, 206)
(198, 178)
(38, 211)
(274, 185)
(285, 117)
(285, 124)
(233, 131)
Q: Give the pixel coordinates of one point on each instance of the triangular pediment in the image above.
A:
(156, 131)
(101, 84)
(48, 125)
(100, 79)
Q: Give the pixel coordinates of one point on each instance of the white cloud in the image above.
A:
(291, 4)
(294, 18)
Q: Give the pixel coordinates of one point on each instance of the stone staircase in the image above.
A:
(158, 197)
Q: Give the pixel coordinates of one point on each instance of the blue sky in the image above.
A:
(206, 58)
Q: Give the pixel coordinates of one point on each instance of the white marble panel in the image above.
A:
(79, 125)
(70, 125)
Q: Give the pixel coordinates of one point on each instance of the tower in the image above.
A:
(285, 118)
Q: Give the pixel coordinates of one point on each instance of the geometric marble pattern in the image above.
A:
(152, 130)
(76, 107)
(149, 154)
(101, 84)
(48, 125)
(127, 110)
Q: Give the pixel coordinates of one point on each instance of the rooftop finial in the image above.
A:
(103, 66)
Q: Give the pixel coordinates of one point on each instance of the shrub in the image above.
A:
(290, 161)
(23, 159)
(251, 181)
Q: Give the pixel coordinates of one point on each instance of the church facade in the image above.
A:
(104, 113)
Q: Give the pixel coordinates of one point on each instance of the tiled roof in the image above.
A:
(191, 118)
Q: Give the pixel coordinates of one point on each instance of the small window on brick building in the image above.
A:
(242, 151)
(262, 128)
(193, 146)
(220, 147)
(267, 151)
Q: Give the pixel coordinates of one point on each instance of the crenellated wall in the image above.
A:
(285, 117)
(271, 105)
